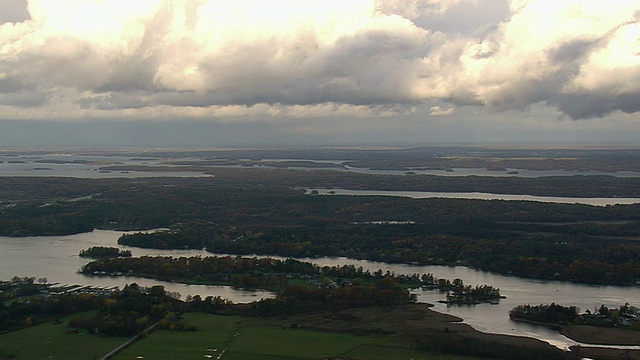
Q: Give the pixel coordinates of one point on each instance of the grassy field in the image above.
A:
(51, 341)
(214, 332)
(356, 334)
(241, 339)
(292, 344)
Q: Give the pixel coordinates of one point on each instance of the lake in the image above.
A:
(478, 196)
(56, 257)
(89, 166)
(81, 166)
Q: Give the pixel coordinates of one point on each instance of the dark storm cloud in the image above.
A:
(573, 51)
(589, 106)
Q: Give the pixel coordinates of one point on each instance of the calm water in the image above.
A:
(495, 173)
(56, 257)
(40, 165)
(480, 196)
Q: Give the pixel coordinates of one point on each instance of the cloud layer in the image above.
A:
(314, 58)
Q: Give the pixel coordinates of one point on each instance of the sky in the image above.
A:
(318, 72)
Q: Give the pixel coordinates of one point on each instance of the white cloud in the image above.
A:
(440, 111)
(414, 9)
(543, 53)
(284, 58)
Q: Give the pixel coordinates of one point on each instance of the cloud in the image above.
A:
(212, 58)
(415, 9)
(13, 11)
(439, 111)
(562, 53)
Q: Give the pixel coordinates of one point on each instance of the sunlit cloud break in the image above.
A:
(282, 58)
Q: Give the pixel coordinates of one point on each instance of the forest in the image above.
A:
(254, 208)
(133, 309)
(97, 252)
(254, 211)
(623, 317)
(280, 275)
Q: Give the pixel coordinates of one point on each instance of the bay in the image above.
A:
(89, 166)
(56, 257)
(477, 196)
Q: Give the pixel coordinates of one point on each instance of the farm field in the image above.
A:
(239, 338)
(51, 341)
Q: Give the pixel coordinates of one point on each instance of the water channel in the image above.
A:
(477, 196)
(56, 257)
(92, 166)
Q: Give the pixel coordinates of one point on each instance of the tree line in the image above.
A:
(267, 216)
(97, 252)
(625, 316)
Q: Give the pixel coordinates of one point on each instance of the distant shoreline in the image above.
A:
(593, 335)
(601, 336)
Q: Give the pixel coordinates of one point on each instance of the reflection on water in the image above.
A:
(493, 318)
(479, 196)
(512, 172)
(89, 166)
(82, 166)
(56, 257)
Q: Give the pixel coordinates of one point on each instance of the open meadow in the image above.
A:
(51, 341)
(239, 338)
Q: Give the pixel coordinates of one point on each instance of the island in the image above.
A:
(252, 208)
(283, 275)
(363, 316)
(602, 326)
(97, 252)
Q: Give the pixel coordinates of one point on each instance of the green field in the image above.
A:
(51, 341)
(234, 337)
(244, 340)
(213, 333)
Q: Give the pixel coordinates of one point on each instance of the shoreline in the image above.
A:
(592, 335)
(594, 341)
(417, 322)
